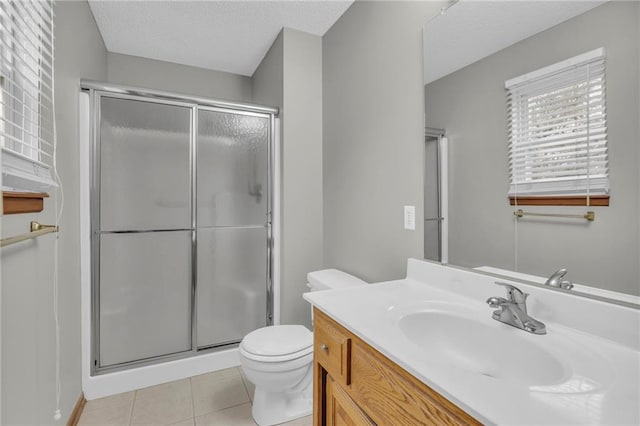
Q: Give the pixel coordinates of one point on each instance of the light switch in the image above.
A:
(410, 217)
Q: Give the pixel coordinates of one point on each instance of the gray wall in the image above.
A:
(168, 76)
(28, 357)
(268, 90)
(373, 108)
(290, 77)
(470, 105)
(302, 170)
(268, 82)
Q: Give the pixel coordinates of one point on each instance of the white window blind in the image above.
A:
(26, 98)
(557, 129)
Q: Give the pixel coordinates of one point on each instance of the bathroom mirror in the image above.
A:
(470, 50)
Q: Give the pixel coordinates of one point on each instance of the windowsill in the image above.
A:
(559, 200)
(23, 202)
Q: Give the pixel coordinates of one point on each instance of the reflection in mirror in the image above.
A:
(471, 51)
(435, 197)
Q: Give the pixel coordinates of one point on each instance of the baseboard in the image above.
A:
(77, 411)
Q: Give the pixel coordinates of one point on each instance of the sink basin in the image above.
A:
(483, 348)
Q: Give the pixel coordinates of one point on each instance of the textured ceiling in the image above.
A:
(471, 30)
(231, 36)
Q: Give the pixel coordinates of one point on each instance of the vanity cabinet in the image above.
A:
(340, 409)
(355, 384)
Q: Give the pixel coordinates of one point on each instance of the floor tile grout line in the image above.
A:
(133, 404)
(246, 388)
(244, 385)
(227, 408)
(193, 402)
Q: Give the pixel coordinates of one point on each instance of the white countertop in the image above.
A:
(602, 375)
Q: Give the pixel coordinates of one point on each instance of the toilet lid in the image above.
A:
(278, 340)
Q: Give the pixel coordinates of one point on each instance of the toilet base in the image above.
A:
(272, 408)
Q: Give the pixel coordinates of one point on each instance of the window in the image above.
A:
(26, 117)
(557, 131)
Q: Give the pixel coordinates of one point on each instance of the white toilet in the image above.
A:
(278, 360)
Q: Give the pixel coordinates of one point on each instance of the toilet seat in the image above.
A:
(277, 343)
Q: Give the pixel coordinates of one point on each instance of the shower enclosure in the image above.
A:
(181, 224)
(435, 195)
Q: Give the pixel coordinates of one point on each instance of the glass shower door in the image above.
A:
(432, 217)
(233, 225)
(143, 231)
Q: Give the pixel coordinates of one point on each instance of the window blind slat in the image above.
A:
(579, 169)
(562, 138)
(557, 141)
(573, 143)
(555, 89)
(20, 49)
(44, 102)
(29, 122)
(576, 168)
(41, 24)
(567, 183)
(36, 72)
(23, 144)
(29, 78)
(563, 186)
(594, 69)
(597, 182)
(35, 37)
(45, 12)
(597, 118)
(28, 28)
(594, 155)
(563, 106)
(591, 99)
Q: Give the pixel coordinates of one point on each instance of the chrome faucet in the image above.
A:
(513, 310)
(555, 280)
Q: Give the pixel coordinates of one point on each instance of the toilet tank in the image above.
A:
(329, 279)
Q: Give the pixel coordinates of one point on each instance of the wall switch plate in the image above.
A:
(410, 217)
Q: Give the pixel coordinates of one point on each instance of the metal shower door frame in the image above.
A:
(268, 220)
(97, 91)
(438, 134)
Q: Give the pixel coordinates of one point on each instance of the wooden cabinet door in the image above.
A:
(332, 348)
(341, 410)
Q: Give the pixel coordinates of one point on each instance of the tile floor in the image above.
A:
(222, 398)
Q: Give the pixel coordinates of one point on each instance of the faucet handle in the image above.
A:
(514, 293)
(496, 302)
(556, 280)
(566, 284)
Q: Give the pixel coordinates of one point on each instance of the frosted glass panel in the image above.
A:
(431, 179)
(145, 180)
(232, 169)
(232, 283)
(431, 201)
(431, 241)
(145, 295)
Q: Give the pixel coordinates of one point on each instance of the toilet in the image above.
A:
(278, 360)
